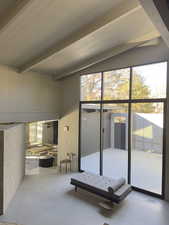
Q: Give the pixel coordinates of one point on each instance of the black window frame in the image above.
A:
(129, 101)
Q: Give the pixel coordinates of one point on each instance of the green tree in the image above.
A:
(141, 91)
(116, 86)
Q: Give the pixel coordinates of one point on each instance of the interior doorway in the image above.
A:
(41, 147)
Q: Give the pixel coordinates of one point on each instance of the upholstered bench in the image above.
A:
(114, 190)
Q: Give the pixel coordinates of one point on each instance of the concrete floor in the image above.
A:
(49, 199)
(146, 168)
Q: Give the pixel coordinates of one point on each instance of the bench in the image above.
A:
(102, 186)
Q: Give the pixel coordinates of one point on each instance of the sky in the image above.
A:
(155, 76)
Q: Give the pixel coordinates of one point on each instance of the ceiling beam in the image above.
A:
(158, 12)
(109, 54)
(113, 15)
(98, 59)
(12, 13)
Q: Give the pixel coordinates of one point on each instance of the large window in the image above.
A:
(115, 140)
(147, 146)
(35, 133)
(122, 124)
(116, 84)
(91, 87)
(149, 81)
(90, 137)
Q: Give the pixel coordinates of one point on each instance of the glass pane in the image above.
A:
(90, 87)
(35, 133)
(32, 133)
(149, 81)
(147, 146)
(39, 132)
(116, 84)
(115, 140)
(90, 138)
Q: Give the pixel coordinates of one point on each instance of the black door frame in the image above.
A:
(129, 102)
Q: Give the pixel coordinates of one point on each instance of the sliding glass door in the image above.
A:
(147, 146)
(115, 140)
(90, 138)
(122, 116)
(147, 126)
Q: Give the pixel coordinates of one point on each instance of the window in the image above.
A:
(35, 133)
(147, 145)
(116, 84)
(90, 136)
(149, 81)
(32, 132)
(121, 124)
(91, 87)
(115, 139)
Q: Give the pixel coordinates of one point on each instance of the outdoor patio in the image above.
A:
(146, 171)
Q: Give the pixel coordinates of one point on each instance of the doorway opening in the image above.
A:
(41, 147)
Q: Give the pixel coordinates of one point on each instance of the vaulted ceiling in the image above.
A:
(60, 37)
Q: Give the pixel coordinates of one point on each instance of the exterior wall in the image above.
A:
(147, 135)
(14, 162)
(90, 133)
(27, 97)
(107, 125)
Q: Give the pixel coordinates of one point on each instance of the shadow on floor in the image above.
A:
(94, 200)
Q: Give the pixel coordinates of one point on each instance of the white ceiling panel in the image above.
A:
(54, 36)
(44, 23)
(116, 33)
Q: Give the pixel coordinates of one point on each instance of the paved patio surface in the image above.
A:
(146, 167)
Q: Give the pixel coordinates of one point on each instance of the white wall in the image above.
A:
(68, 141)
(1, 170)
(167, 144)
(14, 161)
(27, 97)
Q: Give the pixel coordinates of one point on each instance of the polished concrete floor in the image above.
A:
(49, 199)
(146, 167)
